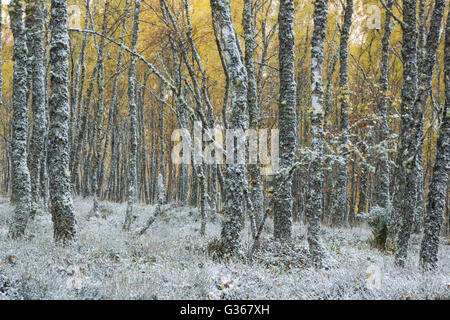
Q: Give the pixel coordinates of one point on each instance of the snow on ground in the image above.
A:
(171, 261)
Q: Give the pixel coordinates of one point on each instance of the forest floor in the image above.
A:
(172, 261)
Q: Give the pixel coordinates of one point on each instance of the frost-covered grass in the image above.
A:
(171, 261)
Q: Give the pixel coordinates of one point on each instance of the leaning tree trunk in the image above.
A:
(314, 204)
(413, 111)
(132, 153)
(340, 213)
(21, 175)
(58, 153)
(287, 119)
(35, 17)
(235, 176)
(438, 187)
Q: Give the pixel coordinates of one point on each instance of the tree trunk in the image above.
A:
(411, 129)
(58, 155)
(287, 119)
(235, 175)
(438, 187)
(21, 175)
(132, 152)
(252, 102)
(35, 17)
(340, 212)
(314, 198)
(382, 195)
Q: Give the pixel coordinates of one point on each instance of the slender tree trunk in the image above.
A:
(340, 212)
(235, 176)
(405, 195)
(413, 106)
(35, 16)
(112, 121)
(21, 175)
(439, 182)
(162, 155)
(314, 199)
(132, 152)
(287, 119)
(58, 155)
(252, 102)
(98, 125)
(382, 195)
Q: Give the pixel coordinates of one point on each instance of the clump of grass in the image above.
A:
(378, 221)
(216, 249)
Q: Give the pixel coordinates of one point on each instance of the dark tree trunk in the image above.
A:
(20, 174)
(438, 187)
(58, 153)
(287, 119)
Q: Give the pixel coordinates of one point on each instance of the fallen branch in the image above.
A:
(159, 209)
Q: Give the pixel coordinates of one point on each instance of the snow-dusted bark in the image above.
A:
(314, 204)
(161, 199)
(77, 100)
(112, 117)
(438, 187)
(405, 195)
(413, 107)
(132, 115)
(252, 103)
(426, 67)
(235, 175)
(35, 36)
(1, 50)
(287, 118)
(98, 125)
(382, 195)
(21, 175)
(58, 153)
(162, 156)
(182, 115)
(339, 210)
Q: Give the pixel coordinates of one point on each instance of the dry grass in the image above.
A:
(171, 262)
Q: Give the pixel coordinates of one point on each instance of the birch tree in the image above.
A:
(252, 102)
(21, 175)
(132, 116)
(438, 187)
(314, 205)
(414, 99)
(287, 118)
(35, 36)
(340, 212)
(382, 195)
(99, 112)
(235, 174)
(58, 148)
